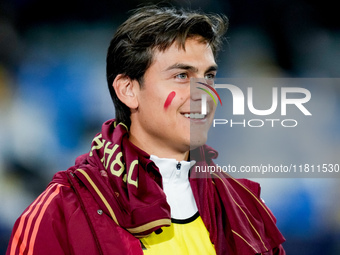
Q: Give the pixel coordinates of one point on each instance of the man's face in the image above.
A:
(164, 123)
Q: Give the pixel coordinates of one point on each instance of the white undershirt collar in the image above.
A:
(176, 186)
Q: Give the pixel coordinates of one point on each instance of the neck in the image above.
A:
(160, 150)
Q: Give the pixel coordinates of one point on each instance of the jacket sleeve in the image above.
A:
(41, 228)
(256, 189)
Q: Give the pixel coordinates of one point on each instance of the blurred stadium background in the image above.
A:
(54, 97)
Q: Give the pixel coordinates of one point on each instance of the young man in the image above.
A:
(132, 194)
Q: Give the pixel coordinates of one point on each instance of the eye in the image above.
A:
(210, 76)
(182, 76)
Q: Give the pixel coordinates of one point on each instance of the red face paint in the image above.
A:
(169, 99)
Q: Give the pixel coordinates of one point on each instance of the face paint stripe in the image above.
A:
(169, 99)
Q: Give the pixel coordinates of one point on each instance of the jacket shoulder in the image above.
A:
(253, 186)
(43, 227)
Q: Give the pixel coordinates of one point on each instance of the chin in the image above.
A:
(197, 141)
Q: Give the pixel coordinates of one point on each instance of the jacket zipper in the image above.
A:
(178, 167)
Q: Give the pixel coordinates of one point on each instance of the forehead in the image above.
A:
(194, 50)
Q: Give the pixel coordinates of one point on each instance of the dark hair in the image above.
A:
(150, 28)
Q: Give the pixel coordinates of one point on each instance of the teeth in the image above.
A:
(194, 116)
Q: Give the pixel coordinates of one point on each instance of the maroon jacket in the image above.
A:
(113, 196)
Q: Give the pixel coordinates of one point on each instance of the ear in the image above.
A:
(125, 89)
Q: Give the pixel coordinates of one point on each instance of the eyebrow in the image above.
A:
(190, 68)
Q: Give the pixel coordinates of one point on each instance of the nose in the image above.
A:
(197, 89)
(196, 94)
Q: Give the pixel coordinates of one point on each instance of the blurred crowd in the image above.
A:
(54, 97)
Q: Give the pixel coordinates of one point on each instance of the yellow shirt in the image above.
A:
(188, 236)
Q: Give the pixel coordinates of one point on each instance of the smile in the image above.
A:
(194, 115)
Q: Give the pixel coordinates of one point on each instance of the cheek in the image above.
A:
(169, 99)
